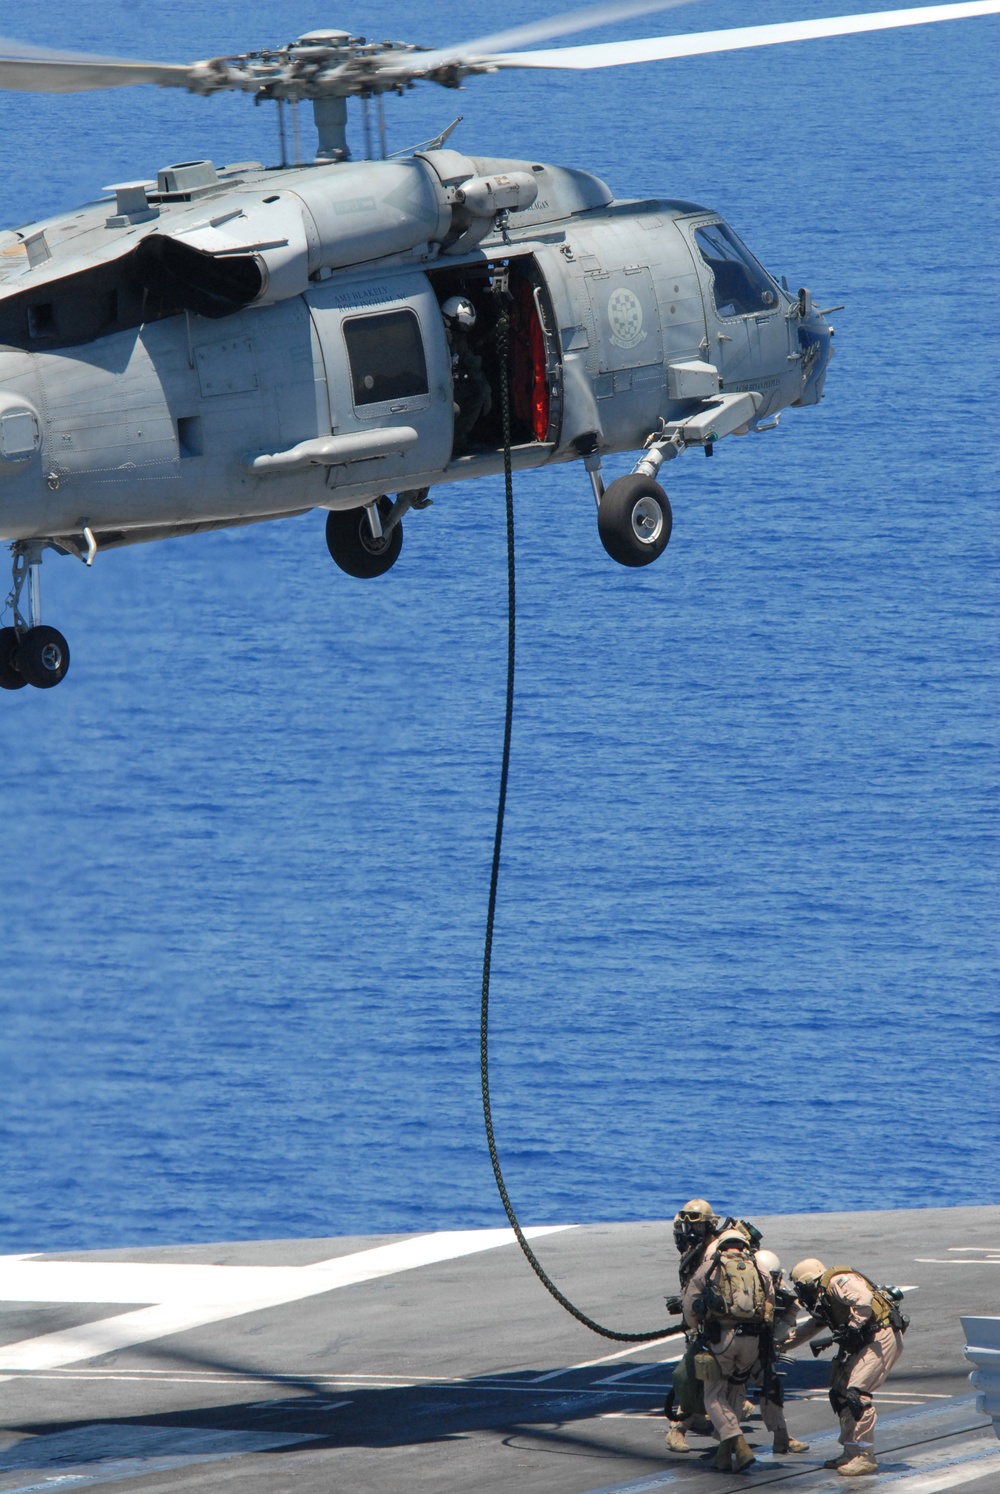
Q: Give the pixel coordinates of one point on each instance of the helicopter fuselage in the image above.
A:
(191, 415)
(217, 349)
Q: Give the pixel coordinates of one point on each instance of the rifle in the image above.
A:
(848, 1341)
(770, 1385)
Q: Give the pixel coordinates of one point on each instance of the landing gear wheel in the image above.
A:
(634, 520)
(350, 542)
(43, 657)
(11, 677)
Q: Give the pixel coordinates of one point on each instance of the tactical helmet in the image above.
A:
(460, 311)
(693, 1223)
(768, 1261)
(806, 1276)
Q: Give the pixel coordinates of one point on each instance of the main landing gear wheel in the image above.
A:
(634, 520)
(43, 657)
(350, 541)
(11, 677)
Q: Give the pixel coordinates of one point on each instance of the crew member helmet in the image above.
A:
(460, 311)
(693, 1223)
(768, 1261)
(806, 1276)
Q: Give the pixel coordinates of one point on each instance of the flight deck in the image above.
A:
(432, 1363)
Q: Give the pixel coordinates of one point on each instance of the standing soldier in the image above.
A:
(868, 1328)
(729, 1301)
(772, 1395)
(695, 1225)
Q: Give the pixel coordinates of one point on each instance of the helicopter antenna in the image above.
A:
(436, 144)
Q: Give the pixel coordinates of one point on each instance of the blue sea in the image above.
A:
(746, 937)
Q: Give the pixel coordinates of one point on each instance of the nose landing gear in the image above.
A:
(30, 652)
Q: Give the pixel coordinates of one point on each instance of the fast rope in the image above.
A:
(503, 348)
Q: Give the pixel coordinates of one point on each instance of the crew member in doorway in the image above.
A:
(471, 391)
(772, 1395)
(729, 1303)
(867, 1327)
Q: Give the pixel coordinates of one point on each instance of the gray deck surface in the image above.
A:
(460, 1374)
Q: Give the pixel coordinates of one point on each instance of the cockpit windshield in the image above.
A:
(742, 287)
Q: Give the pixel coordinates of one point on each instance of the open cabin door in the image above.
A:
(474, 359)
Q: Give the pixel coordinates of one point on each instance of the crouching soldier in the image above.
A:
(729, 1302)
(867, 1327)
(772, 1396)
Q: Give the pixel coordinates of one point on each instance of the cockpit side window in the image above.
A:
(741, 287)
(387, 357)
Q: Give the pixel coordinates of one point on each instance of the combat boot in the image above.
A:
(785, 1444)
(703, 1426)
(845, 1455)
(860, 1465)
(676, 1440)
(742, 1454)
(747, 1411)
(723, 1460)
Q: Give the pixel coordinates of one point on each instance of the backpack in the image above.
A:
(733, 1287)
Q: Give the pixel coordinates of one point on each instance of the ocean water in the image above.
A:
(746, 940)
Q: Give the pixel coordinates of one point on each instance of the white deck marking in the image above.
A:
(637, 1369)
(942, 1474)
(104, 1453)
(931, 1260)
(618, 1354)
(639, 1485)
(929, 1472)
(186, 1296)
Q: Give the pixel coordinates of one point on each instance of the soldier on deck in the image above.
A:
(729, 1303)
(695, 1225)
(868, 1328)
(772, 1396)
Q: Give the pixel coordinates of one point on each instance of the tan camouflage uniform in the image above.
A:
(736, 1352)
(863, 1371)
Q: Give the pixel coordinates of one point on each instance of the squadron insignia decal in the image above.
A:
(625, 316)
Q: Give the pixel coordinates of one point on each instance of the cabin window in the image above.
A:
(386, 354)
(741, 286)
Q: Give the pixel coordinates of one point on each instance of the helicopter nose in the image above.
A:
(816, 347)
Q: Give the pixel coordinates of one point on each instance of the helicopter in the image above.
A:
(219, 346)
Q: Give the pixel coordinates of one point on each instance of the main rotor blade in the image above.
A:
(560, 25)
(38, 70)
(657, 48)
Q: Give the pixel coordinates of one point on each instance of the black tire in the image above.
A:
(43, 657)
(11, 677)
(634, 520)
(349, 541)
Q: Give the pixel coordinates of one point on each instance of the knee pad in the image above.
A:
(856, 1402)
